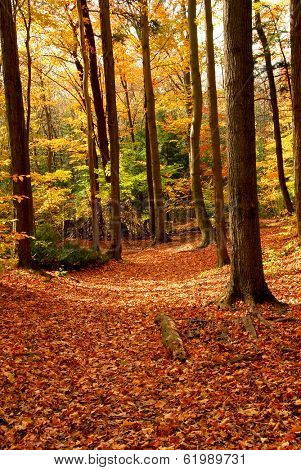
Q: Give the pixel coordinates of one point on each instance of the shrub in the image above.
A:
(50, 255)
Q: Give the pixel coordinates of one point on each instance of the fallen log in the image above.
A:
(170, 337)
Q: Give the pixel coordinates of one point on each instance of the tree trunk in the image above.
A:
(80, 70)
(101, 220)
(275, 110)
(186, 76)
(97, 96)
(151, 119)
(220, 222)
(27, 19)
(49, 127)
(128, 106)
(94, 202)
(247, 278)
(152, 215)
(50, 159)
(22, 192)
(109, 70)
(277, 33)
(296, 90)
(195, 169)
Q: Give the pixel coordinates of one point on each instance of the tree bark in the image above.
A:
(152, 215)
(275, 110)
(97, 96)
(80, 70)
(186, 77)
(286, 65)
(296, 91)
(49, 127)
(195, 169)
(247, 278)
(220, 222)
(27, 19)
(94, 202)
(22, 191)
(101, 220)
(109, 70)
(51, 158)
(151, 119)
(128, 106)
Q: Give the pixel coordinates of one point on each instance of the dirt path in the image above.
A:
(83, 366)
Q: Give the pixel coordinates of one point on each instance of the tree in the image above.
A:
(106, 157)
(109, 70)
(186, 74)
(49, 127)
(22, 192)
(275, 109)
(150, 186)
(195, 169)
(152, 127)
(91, 145)
(247, 278)
(296, 91)
(27, 20)
(97, 96)
(220, 222)
(124, 84)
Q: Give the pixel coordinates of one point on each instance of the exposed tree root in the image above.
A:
(233, 295)
(282, 319)
(249, 326)
(259, 317)
(235, 360)
(246, 358)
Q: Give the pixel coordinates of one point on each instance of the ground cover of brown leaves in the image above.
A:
(82, 364)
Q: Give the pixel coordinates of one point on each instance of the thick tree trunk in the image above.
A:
(128, 107)
(195, 169)
(296, 90)
(220, 222)
(109, 69)
(275, 110)
(17, 133)
(151, 119)
(90, 134)
(247, 277)
(152, 215)
(97, 96)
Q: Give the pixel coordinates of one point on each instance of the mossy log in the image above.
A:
(170, 337)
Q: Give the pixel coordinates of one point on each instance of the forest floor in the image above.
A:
(83, 366)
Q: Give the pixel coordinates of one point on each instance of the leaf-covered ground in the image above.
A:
(82, 364)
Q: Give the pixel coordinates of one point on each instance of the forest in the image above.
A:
(150, 224)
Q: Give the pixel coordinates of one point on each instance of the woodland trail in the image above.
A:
(82, 364)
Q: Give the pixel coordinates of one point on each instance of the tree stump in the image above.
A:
(171, 338)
